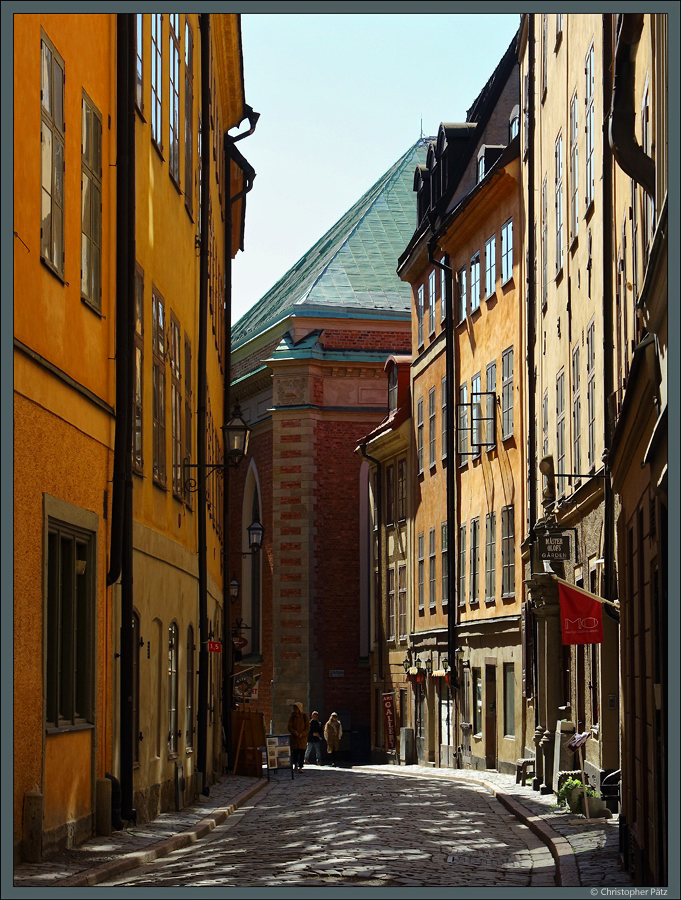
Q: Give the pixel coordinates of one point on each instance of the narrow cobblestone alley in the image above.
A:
(342, 827)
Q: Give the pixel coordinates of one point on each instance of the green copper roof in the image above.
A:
(353, 266)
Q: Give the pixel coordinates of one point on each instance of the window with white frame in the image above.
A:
(419, 435)
(419, 316)
(507, 393)
(444, 570)
(174, 357)
(507, 552)
(431, 427)
(431, 568)
(544, 248)
(591, 394)
(158, 378)
(173, 649)
(401, 490)
(589, 90)
(514, 123)
(392, 387)
(156, 72)
(477, 423)
(576, 413)
(431, 302)
(647, 201)
(544, 55)
(461, 299)
(490, 265)
(462, 430)
(507, 251)
(390, 606)
(474, 574)
(420, 571)
(574, 168)
(560, 430)
(558, 159)
(477, 701)
(490, 415)
(475, 282)
(402, 601)
(52, 128)
(490, 556)
(462, 565)
(480, 166)
(138, 61)
(389, 495)
(443, 291)
(188, 115)
(91, 206)
(545, 422)
(443, 416)
(174, 98)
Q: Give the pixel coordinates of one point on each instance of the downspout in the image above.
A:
(628, 154)
(227, 647)
(202, 387)
(452, 605)
(120, 561)
(379, 585)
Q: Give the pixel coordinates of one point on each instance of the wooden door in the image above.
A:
(491, 717)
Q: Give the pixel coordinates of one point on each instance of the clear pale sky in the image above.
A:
(341, 98)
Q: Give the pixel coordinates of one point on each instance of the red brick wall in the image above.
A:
(390, 341)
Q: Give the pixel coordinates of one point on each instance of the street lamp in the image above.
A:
(429, 665)
(234, 589)
(406, 664)
(235, 434)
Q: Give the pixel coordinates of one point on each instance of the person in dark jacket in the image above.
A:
(314, 739)
(298, 725)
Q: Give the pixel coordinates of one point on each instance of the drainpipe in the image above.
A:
(202, 388)
(379, 586)
(120, 561)
(227, 648)
(629, 155)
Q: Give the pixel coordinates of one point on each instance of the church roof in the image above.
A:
(352, 268)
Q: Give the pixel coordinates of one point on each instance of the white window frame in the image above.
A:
(156, 80)
(431, 302)
(558, 160)
(589, 127)
(475, 282)
(507, 393)
(462, 565)
(431, 427)
(507, 251)
(461, 296)
(419, 316)
(490, 266)
(576, 412)
(507, 552)
(52, 130)
(420, 571)
(432, 598)
(560, 431)
(444, 567)
(574, 168)
(443, 416)
(419, 435)
(490, 556)
(474, 568)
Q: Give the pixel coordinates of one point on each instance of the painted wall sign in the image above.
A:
(554, 546)
(389, 720)
(336, 673)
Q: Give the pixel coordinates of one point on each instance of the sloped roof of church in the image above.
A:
(353, 266)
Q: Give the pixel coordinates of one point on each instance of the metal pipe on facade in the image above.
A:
(202, 388)
(379, 550)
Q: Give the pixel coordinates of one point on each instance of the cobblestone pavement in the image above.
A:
(333, 827)
(446, 824)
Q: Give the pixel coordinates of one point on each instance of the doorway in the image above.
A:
(491, 717)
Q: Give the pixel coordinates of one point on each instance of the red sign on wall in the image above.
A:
(214, 646)
(389, 720)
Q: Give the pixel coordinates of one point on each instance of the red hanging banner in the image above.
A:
(581, 616)
(389, 720)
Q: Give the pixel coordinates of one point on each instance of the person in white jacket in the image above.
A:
(333, 732)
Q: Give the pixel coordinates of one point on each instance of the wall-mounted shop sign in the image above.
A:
(336, 673)
(214, 646)
(554, 546)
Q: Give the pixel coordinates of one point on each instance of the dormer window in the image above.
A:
(514, 123)
(392, 388)
(480, 170)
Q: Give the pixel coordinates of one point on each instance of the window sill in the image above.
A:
(160, 485)
(574, 242)
(51, 269)
(158, 149)
(588, 212)
(506, 597)
(172, 756)
(175, 182)
(62, 729)
(509, 283)
(490, 297)
(475, 310)
(490, 601)
(139, 112)
(91, 306)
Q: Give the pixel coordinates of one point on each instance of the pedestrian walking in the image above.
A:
(314, 739)
(333, 732)
(298, 726)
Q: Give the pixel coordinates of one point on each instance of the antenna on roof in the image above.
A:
(421, 127)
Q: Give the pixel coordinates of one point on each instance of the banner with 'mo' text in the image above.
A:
(581, 615)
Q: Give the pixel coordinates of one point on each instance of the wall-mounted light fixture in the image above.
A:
(235, 435)
(429, 665)
(460, 652)
(234, 589)
(406, 664)
(255, 534)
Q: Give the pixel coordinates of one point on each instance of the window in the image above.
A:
(544, 54)
(475, 561)
(390, 609)
(431, 567)
(137, 459)
(514, 124)
(443, 415)
(462, 565)
(419, 435)
(69, 663)
(401, 490)
(431, 427)
(156, 36)
(420, 572)
(491, 409)
(189, 699)
(576, 414)
(389, 495)
(490, 556)
(463, 422)
(443, 290)
(173, 641)
(52, 157)
(135, 687)
(574, 168)
(490, 265)
(591, 394)
(374, 499)
(544, 237)
(477, 424)
(545, 423)
(174, 100)
(402, 601)
(477, 702)
(174, 355)
(91, 206)
(507, 251)
(507, 552)
(560, 430)
(138, 61)
(392, 387)
(480, 168)
(558, 158)
(589, 127)
(507, 393)
(419, 316)
(444, 570)
(461, 301)
(509, 700)
(158, 378)
(188, 115)
(648, 206)
(475, 282)
(431, 302)
(187, 410)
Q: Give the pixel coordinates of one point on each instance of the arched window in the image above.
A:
(251, 566)
(173, 641)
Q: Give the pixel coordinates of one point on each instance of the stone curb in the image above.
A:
(567, 874)
(161, 848)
